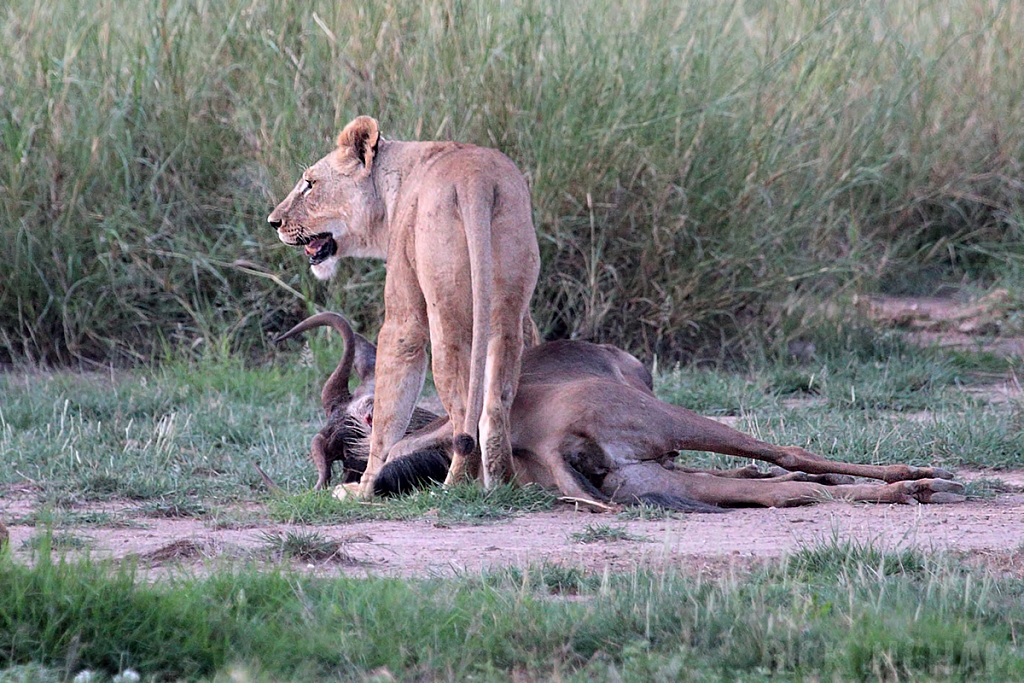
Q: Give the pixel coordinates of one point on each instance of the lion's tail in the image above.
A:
(477, 206)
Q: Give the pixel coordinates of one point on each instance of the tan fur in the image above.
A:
(454, 223)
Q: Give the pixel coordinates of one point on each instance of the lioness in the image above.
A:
(454, 223)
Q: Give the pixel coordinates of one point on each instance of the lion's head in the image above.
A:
(335, 209)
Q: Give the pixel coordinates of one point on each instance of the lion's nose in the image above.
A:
(274, 223)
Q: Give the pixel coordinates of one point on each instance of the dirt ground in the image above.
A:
(989, 531)
(991, 322)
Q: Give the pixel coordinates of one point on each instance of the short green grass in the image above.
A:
(644, 512)
(180, 440)
(872, 403)
(174, 439)
(604, 533)
(57, 541)
(836, 557)
(304, 546)
(47, 516)
(462, 504)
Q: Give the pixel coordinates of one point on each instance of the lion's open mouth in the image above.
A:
(320, 248)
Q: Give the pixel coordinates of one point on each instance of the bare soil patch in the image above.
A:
(989, 531)
(992, 322)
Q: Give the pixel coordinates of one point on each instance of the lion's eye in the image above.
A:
(308, 188)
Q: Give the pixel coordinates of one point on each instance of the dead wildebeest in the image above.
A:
(586, 422)
(350, 416)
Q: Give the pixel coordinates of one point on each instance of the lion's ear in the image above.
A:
(359, 140)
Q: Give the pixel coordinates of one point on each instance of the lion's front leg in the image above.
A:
(401, 369)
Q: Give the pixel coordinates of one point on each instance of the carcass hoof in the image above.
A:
(896, 473)
(936, 491)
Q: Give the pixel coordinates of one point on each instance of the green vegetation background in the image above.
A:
(698, 169)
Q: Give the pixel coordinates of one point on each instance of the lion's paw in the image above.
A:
(347, 491)
(354, 491)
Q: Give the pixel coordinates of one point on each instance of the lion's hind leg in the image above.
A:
(504, 358)
(449, 342)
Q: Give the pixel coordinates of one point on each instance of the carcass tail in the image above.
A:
(267, 481)
(414, 471)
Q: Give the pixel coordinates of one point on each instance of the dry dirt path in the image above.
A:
(989, 531)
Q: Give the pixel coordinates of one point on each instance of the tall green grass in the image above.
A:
(692, 164)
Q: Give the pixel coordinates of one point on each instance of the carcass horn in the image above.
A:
(335, 389)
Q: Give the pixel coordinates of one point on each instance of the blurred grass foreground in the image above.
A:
(694, 165)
